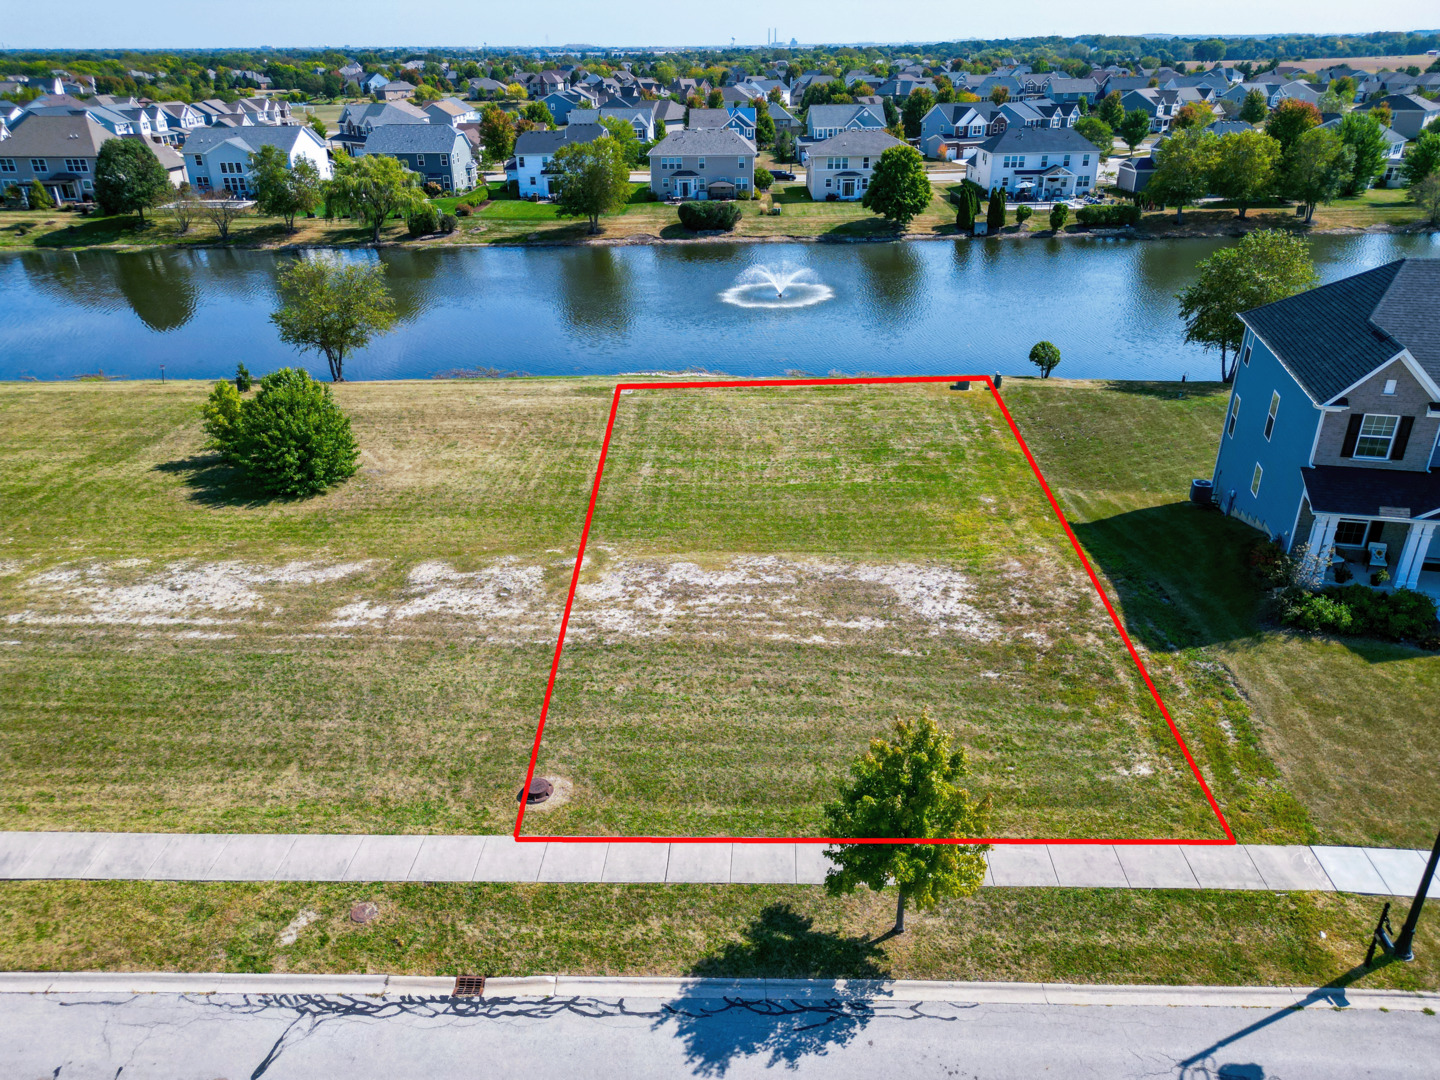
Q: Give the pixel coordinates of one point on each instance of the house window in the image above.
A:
(37, 165)
(828, 181)
(700, 163)
(1270, 416)
(1234, 414)
(199, 162)
(1377, 434)
(1390, 385)
(7, 164)
(444, 161)
(1246, 358)
(865, 163)
(77, 165)
(1085, 159)
(1255, 480)
(740, 163)
(420, 161)
(1350, 534)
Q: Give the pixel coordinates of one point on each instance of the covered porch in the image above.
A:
(1374, 523)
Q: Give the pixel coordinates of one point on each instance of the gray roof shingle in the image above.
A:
(547, 142)
(702, 141)
(412, 139)
(873, 143)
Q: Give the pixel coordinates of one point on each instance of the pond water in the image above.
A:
(968, 306)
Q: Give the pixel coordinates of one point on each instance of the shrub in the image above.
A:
(433, 189)
(479, 193)
(1269, 564)
(1059, 215)
(763, 179)
(1402, 615)
(697, 216)
(425, 219)
(1108, 215)
(1316, 613)
(449, 223)
(39, 197)
(289, 440)
(1023, 214)
(463, 210)
(243, 381)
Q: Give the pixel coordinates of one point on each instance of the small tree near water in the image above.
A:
(1046, 357)
(904, 788)
(899, 188)
(333, 310)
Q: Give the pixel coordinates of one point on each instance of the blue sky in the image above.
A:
(173, 24)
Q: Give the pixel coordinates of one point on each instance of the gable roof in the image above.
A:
(1330, 338)
(827, 116)
(71, 134)
(547, 142)
(413, 139)
(204, 139)
(1021, 140)
(703, 141)
(873, 143)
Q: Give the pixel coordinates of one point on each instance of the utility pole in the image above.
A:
(1403, 947)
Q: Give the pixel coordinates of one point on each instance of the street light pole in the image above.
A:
(1404, 944)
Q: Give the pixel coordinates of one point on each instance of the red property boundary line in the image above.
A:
(1229, 839)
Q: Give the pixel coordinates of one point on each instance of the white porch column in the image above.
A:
(1412, 556)
(1322, 535)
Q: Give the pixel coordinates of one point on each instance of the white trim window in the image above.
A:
(444, 161)
(1351, 533)
(38, 166)
(1377, 436)
(1255, 480)
(77, 165)
(1234, 414)
(1390, 387)
(7, 165)
(419, 161)
(1270, 416)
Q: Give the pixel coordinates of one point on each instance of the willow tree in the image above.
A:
(373, 188)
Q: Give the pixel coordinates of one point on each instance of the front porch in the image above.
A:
(1406, 555)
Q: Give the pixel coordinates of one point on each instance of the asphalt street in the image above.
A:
(205, 1037)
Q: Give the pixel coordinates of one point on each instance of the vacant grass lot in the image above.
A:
(767, 573)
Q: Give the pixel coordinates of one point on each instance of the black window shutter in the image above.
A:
(1402, 438)
(1352, 432)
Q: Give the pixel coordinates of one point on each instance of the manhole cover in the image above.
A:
(540, 790)
(364, 912)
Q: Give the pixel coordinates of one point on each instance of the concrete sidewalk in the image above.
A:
(353, 857)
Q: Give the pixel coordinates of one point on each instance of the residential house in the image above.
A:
(1046, 163)
(1394, 148)
(1409, 113)
(707, 163)
(1299, 91)
(1069, 91)
(671, 114)
(563, 102)
(1330, 435)
(949, 132)
(640, 116)
(826, 121)
(529, 170)
(183, 118)
(841, 166)
(438, 152)
(737, 119)
(483, 89)
(399, 90)
(58, 149)
(1161, 105)
(785, 120)
(1134, 173)
(218, 157)
(169, 157)
(451, 111)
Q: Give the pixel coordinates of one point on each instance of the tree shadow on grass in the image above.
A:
(786, 1024)
(1169, 391)
(211, 482)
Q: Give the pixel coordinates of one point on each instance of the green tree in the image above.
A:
(1265, 266)
(1244, 167)
(1382, 112)
(1210, 50)
(284, 191)
(1193, 114)
(906, 788)
(129, 179)
(920, 102)
(373, 188)
(899, 188)
(995, 212)
(332, 309)
(1183, 166)
(1059, 215)
(1134, 128)
(1112, 109)
(39, 198)
(1253, 108)
(497, 133)
(764, 179)
(220, 420)
(537, 112)
(317, 125)
(1426, 195)
(764, 123)
(999, 95)
(1423, 158)
(291, 439)
(1291, 119)
(1098, 132)
(624, 136)
(715, 99)
(1315, 169)
(1365, 138)
(1344, 87)
(1045, 356)
(591, 178)
(784, 147)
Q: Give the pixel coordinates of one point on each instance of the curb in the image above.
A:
(860, 993)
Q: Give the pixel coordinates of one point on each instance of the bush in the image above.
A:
(243, 381)
(463, 210)
(1059, 215)
(1022, 214)
(1108, 215)
(289, 440)
(1269, 563)
(1316, 613)
(449, 223)
(424, 220)
(763, 179)
(39, 197)
(1402, 615)
(698, 216)
(433, 189)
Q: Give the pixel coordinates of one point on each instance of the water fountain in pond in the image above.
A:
(782, 286)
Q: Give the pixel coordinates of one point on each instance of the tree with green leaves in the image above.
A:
(764, 124)
(591, 178)
(38, 198)
(920, 102)
(1193, 114)
(764, 178)
(373, 188)
(1112, 109)
(1059, 215)
(1291, 119)
(1426, 195)
(1253, 109)
(899, 188)
(129, 178)
(1382, 112)
(999, 95)
(283, 190)
(1365, 138)
(1315, 169)
(1244, 167)
(1183, 166)
(1098, 132)
(538, 113)
(995, 212)
(1134, 128)
(497, 133)
(317, 125)
(1046, 356)
(715, 99)
(1265, 266)
(333, 310)
(623, 133)
(1423, 158)
(907, 788)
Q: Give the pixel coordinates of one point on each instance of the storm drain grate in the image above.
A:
(469, 986)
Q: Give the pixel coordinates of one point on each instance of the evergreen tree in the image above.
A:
(764, 124)
(1253, 108)
(995, 212)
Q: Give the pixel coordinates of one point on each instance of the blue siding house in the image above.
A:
(1331, 439)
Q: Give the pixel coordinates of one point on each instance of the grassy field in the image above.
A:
(1073, 936)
